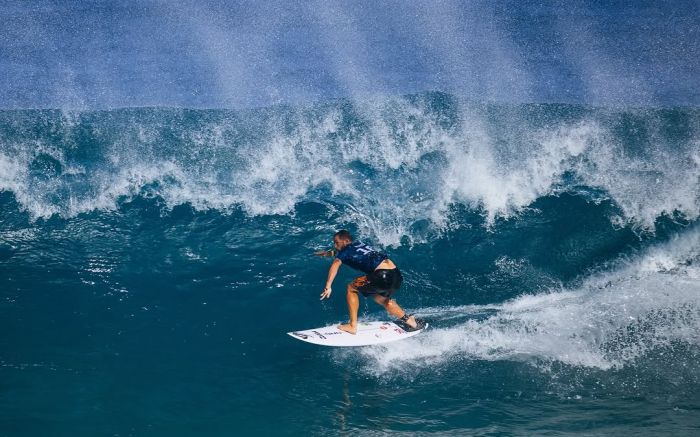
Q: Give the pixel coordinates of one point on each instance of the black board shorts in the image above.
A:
(383, 282)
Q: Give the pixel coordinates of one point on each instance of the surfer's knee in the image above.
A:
(383, 301)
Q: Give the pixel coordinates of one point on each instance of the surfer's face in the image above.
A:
(340, 243)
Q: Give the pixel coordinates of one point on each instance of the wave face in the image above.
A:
(151, 260)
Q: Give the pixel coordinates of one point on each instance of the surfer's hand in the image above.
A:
(324, 253)
(326, 293)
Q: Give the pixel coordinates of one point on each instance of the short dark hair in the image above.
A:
(343, 235)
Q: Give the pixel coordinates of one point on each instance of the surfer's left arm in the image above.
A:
(327, 253)
(331, 276)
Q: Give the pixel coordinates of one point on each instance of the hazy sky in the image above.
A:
(204, 53)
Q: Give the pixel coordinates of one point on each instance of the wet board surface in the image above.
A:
(368, 333)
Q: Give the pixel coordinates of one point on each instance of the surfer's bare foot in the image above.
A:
(411, 321)
(348, 328)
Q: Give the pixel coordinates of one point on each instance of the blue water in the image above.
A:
(151, 261)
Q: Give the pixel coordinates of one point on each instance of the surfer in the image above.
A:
(382, 278)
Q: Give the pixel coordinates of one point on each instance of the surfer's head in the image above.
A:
(341, 239)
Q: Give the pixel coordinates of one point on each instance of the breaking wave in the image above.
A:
(395, 165)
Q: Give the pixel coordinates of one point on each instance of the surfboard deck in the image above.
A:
(368, 333)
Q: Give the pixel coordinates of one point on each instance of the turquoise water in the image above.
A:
(152, 260)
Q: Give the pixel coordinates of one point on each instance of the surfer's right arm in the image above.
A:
(331, 276)
(328, 253)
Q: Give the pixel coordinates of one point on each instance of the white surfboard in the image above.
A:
(368, 333)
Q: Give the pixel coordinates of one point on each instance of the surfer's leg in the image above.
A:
(353, 305)
(390, 281)
(394, 309)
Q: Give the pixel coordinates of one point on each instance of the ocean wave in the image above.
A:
(394, 162)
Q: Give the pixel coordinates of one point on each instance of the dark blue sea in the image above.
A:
(169, 167)
(152, 260)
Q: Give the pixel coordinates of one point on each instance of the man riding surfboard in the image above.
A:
(382, 278)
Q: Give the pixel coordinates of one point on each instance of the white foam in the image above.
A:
(659, 180)
(479, 177)
(14, 177)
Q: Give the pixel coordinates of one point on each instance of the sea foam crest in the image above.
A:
(503, 185)
(393, 163)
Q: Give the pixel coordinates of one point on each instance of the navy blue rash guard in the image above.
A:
(361, 257)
